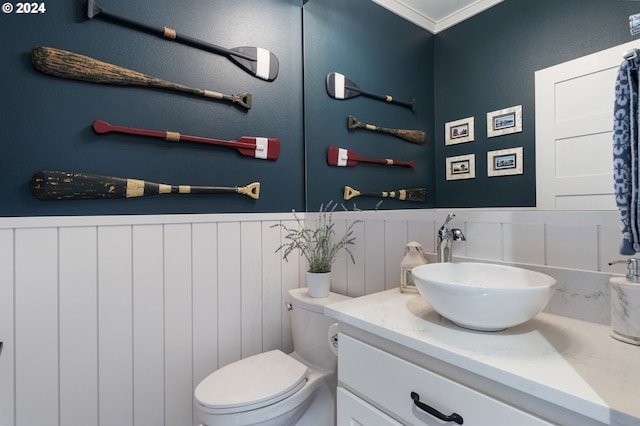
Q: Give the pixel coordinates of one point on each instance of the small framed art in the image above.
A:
(504, 121)
(504, 162)
(461, 167)
(459, 131)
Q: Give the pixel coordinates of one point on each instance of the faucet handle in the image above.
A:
(448, 219)
(632, 268)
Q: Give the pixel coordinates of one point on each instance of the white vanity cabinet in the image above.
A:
(551, 369)
(376, 387)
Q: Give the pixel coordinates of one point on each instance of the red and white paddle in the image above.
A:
(256, 147)
(346, 158)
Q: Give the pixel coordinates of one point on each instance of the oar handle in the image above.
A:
(387, 98)
(386, 161)
(252, 190)
(103, 127)
(210, 47)
(173, 35)
(350, 193)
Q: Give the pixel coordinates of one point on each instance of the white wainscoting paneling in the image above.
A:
(115, 320)
(7, 358)
(148, 324)
(36, 326)
(78, 338)
(115, 325)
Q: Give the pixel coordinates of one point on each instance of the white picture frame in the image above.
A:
(505, 162)
(459, 131)
(504, 121)
(461, 167)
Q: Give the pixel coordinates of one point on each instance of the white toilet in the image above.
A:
(276, 389)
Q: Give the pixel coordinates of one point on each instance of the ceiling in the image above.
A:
(436, 15)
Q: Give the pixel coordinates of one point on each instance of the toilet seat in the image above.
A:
(268, 378)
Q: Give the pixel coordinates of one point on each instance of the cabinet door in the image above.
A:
(352, 411)
(389, 383)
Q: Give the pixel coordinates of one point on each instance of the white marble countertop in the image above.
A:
(567, 362)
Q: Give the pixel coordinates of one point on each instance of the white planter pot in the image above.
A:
(319, 284)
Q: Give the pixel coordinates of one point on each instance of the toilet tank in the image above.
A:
(310, 327)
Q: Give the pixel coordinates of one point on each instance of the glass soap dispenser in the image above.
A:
(414, 256)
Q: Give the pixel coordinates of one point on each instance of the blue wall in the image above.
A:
(487, 63)
(46, 121)
(381, 53)
(480, 65)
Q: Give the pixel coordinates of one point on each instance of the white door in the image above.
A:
(574, 125)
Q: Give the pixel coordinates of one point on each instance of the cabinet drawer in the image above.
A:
(352, 411)
(387, 382)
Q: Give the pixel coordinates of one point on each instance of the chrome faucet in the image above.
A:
(445, 237)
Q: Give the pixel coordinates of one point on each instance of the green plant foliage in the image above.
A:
(320, 245)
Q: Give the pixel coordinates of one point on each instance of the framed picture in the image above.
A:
(459, 131)
(461, 167)
(504, 121)
(504, 162)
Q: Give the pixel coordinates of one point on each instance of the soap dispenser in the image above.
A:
(414, 256)
(625, 303)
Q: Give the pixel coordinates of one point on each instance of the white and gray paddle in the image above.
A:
(340, 87)
(256, 61)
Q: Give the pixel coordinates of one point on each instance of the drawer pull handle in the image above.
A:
(457, 418)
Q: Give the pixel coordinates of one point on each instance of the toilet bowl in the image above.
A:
(274, 388)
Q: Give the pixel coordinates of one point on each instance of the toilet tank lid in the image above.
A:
(300, 297)
(251, 382)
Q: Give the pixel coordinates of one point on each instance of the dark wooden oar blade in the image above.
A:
(416, 194)
(409, 135)
(56, 185)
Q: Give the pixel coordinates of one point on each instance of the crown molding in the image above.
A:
(422, 18)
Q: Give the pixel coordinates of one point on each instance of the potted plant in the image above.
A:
(320, 246)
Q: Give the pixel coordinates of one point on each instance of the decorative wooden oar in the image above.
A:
(411, 194)
(256, 61)
(340, 87)
(57, 185)
(61, 63)
(414, 136)
(256, 147)
(346, 158)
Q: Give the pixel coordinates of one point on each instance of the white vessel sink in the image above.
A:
(483, 296)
